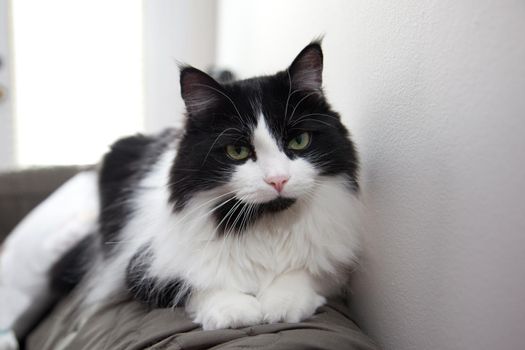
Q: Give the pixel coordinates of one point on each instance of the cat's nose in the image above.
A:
(277, 182)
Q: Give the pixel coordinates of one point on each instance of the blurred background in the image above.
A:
(433, 92)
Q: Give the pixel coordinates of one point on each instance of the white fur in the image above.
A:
(280, 269)
(8, 341)
(291, 297)
(248, 181)
(224, 308)
(28, 253)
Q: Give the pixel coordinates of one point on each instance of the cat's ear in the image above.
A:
(199, 91)
(306, 71)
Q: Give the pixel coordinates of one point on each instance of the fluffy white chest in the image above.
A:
(318, 235)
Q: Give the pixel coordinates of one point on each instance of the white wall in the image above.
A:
(6, 120)
(181, 31)
(433, 92)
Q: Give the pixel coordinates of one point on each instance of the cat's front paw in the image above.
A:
(228, 310)
(281, 305)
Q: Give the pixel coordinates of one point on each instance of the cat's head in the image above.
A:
(262, 143)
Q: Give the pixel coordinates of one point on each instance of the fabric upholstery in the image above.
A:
(127, 324)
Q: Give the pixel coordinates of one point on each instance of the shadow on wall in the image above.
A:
(439, 128)
(404, 184)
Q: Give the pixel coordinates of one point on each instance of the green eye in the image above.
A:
(299, 142)
(237, 152)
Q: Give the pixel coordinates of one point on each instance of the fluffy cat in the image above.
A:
(246, 216)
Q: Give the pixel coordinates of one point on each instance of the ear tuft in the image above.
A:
(199, 91)
(306, 70)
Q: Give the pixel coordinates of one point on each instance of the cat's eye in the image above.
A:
(237, 152)
(299, 142)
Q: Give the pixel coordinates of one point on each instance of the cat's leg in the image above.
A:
(217, 309)
(290, 298)
(31, 250)
(8, 340)
(25, 282)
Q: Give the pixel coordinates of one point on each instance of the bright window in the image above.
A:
(77, 77)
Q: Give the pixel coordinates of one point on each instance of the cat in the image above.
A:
(247, 215)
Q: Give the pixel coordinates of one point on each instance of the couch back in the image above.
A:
(22, 190)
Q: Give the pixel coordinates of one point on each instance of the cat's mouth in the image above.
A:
(235, 215)
(277, 204)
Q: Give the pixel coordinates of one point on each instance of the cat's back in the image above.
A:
(121, 170)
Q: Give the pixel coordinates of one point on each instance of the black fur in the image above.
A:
(117, 174)
(122, 168)
(151, 290)
(67, 272)
(234, 216)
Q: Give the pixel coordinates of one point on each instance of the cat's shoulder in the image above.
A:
(130, 154)
(118, 163)
(122, 168)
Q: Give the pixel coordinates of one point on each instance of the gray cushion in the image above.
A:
(127, 324)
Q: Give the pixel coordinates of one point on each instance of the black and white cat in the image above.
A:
(247, 215)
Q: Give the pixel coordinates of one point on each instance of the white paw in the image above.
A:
(8, 340)
(233, 311)
(280, 305)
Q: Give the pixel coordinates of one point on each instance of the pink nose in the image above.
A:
(277, 182)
